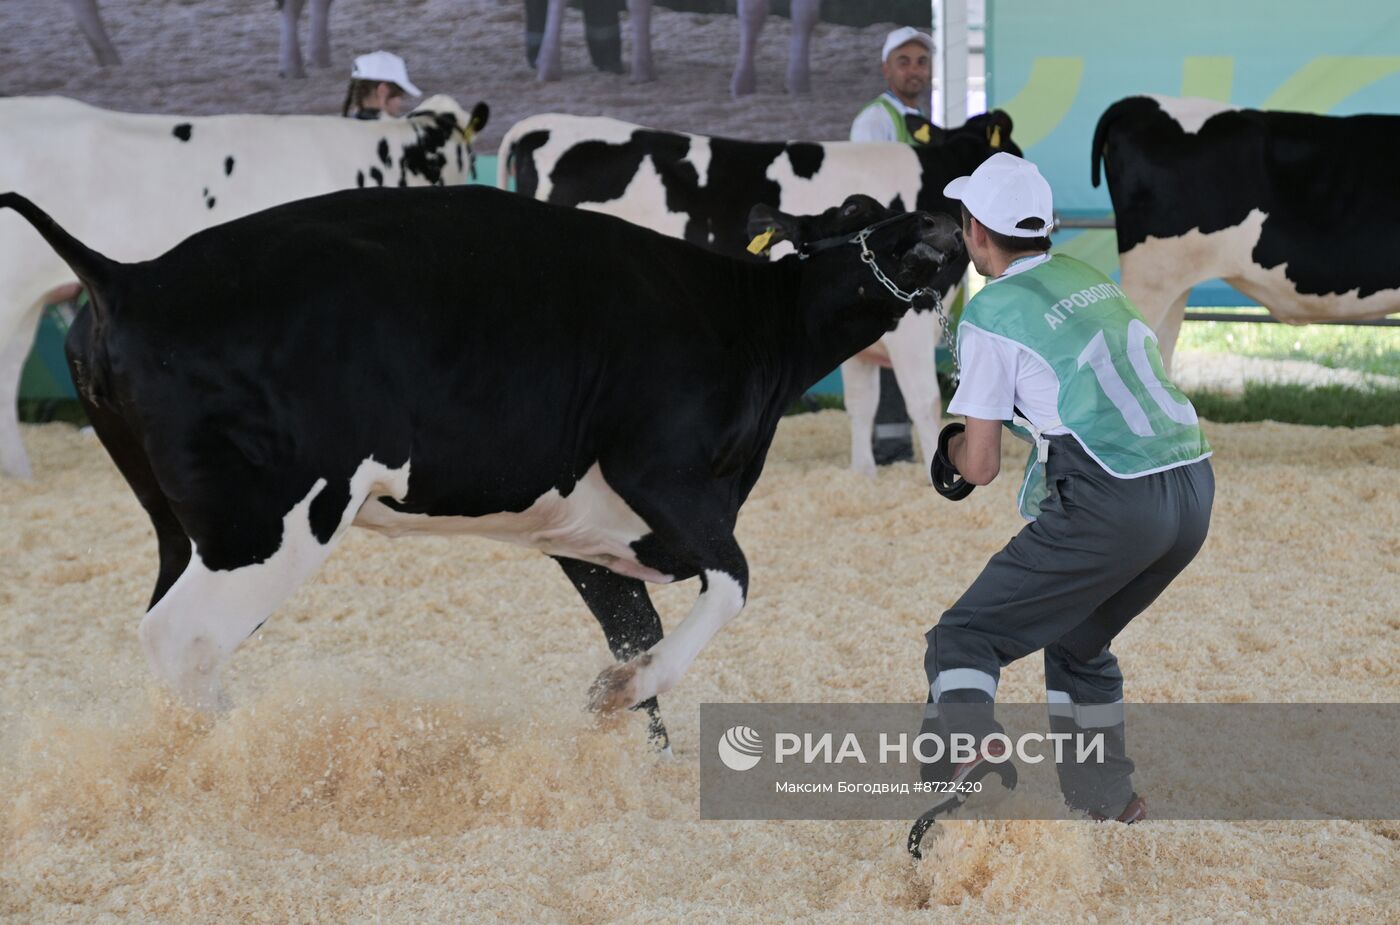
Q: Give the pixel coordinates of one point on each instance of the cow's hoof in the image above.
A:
(618, 687)
(643, 75)
(548, 73)
(864, 469)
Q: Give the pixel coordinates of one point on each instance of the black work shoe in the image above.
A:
(968, 772)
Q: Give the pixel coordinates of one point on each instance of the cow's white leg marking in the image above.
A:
(206, 615)
(860, 382)
(911, 347)
(658, 669)
(1170, 330)
(14, 461)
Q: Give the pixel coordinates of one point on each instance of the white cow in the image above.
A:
(701, 189)
(135, 185)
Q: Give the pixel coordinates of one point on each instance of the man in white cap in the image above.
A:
(906, 63)
(896, 115)
(1117, 488)
(379, 85)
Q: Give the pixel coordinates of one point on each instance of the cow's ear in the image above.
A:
(998, 129)
(480, 113)
(767, 226)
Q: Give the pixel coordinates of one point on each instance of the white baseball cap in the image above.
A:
(902, 36)
(384, 65)
(1005, 191)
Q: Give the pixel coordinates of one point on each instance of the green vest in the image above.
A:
(901, 128)
(1115, 397)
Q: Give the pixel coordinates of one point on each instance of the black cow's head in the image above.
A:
(909, 248)
(993, 127)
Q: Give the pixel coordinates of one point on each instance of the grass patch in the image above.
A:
(1292, 403)
(1365, 349)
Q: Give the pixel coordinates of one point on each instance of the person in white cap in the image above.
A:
(378, 87)
(898, 114)
(1118, 486)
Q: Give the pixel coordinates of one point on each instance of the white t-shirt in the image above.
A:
(998, 374)
(873, 123)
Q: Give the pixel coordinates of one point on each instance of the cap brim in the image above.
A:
(410, 89)
(956, 187)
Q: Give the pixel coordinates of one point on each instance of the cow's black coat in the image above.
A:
(502, 345)
(1327, 185)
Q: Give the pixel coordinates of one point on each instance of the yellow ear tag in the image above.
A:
(760, 243)
(922, 135)
(995, 140)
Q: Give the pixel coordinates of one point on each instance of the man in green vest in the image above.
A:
(895, 115)
(1117, 487)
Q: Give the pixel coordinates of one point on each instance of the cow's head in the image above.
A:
(993, 128)
(893, 254)
(442, 152)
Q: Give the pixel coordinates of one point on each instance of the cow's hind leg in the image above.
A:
(629, 620)
(192, 630)
(320, 41)
(289, 61)
(752, 14)
(724, 582)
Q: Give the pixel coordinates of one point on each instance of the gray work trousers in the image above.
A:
(1100, 553)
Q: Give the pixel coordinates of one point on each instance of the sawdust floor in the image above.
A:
(409, 743)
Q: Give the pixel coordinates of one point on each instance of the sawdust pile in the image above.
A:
(409, 743)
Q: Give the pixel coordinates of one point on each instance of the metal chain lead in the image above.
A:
(868, 258)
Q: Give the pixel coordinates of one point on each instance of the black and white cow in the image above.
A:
(700, 188)
(598, 391)
(1299, 212)
(135, 185)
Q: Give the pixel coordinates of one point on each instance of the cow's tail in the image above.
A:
(1131, 105)
(95, 270)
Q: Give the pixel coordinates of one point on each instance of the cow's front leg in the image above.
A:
(724, 585)
(629, 620)
(319, 47)
(643, 68)
(912, 345)
(549, 66)
(860, 383)
(289, 63)
(804, 19)
(752, 14)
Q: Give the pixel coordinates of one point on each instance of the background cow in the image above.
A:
(1299, 212)
(135, 185)
(700, 189)
(337, 370)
